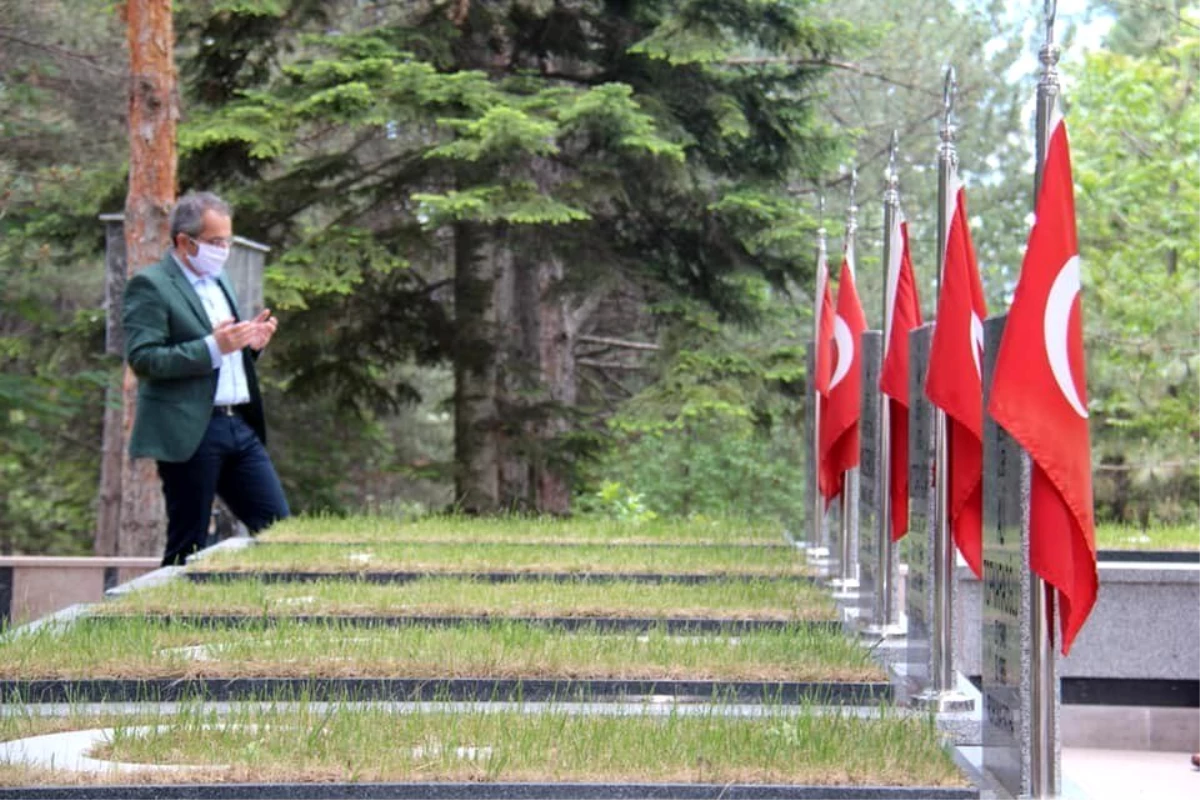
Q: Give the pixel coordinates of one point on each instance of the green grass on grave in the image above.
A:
(320, 743)
(1155, 537)
(142, 649)
(503, 557)
(759, 600)
(546, 530)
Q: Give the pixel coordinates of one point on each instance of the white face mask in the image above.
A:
(209, 259)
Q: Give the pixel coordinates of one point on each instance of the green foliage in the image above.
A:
(614, 501)
(718, 434)
(1141, 261)
(60, 145)
(585, 136)
(895, 82)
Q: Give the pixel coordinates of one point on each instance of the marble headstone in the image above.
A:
(870, 488)
(917, 545)
(850, 487)
(1007, 637)
(817, 538)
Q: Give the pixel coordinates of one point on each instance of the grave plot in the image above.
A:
(718, 606)
(392, 562)
(136, 659)
(357, 751)
(449, 529)
(509, 706)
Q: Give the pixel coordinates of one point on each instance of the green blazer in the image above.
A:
(165, 326)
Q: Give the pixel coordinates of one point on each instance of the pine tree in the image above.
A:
(475, 179)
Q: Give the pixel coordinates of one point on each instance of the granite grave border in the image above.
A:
(670, 625)
(403, 576)
(780, 545)
(1149, 556)
(487, 791)
(119, 690)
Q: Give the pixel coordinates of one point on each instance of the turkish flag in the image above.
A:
(904, 315)
(823, 357)
(843, 402)
(1039, 395)
(954, 381)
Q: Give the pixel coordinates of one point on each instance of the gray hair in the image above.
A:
(187, 216)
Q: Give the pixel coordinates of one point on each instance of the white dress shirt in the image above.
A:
(232, 388)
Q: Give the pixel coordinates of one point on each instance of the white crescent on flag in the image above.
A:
(1054, 328)
(977, 343)
(844, 341)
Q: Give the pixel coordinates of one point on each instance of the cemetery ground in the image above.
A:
(589, 659)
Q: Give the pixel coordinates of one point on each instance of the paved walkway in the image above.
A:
(1128, 775)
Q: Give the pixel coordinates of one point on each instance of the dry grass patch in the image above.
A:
(504, 557)
(545, 530)
(755, 600)
(144, 649)
(347, 743)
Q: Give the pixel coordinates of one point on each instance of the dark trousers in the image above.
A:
(230, 462)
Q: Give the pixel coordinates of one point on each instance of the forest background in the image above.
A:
(557, 255)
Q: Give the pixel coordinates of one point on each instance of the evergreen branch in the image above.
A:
(91, 60)
(430, 288)
(847, 66)
(595, 80)
(603, 365)
(577, 316)
(619, 343)
(611, 379)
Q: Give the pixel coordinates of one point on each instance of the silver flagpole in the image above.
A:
(942, 694)
(818, 546)
(886, 622)
(1044, 778)
(847, 582)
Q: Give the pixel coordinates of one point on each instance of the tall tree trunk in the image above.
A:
(482, 281)
(153, 112)
(112, 460)
(556, 361)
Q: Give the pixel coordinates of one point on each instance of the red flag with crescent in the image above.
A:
(843, 403)
(1039, 395)
(904, 316)
(823, 356)
(954, 381)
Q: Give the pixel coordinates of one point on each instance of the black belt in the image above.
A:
(228, 411)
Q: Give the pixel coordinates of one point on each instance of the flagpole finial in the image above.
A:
(852, 209)
(1048, 89)
(1050, 51)
(891, 194)
(822, 242)
(947, 151)
(949, 93)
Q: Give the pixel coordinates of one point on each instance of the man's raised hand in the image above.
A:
(233, 336)
(264, 328)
